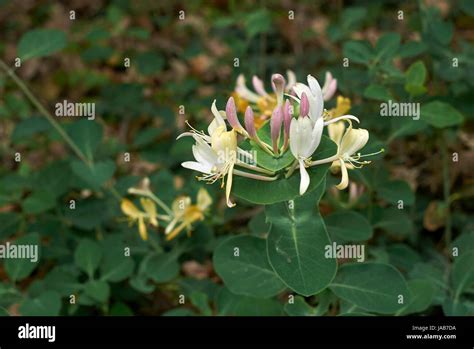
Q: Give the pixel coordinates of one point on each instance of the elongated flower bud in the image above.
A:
(250, 123)
(278, 84)
(231, 113)
(258, 86)
(275, 127)
(330, 86)
(304, 105)
(286, 124)
(287, 117)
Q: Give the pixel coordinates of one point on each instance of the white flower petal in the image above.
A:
(196, 166)
(353, 140)
(304, 181)
(317, 93)
(345, 176)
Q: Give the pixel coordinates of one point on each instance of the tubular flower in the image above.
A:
(329, 87)
(216, 153)
(264, 102)
(348, 145)
(135, 215)
(217, 160)
(343, 105)
(305, 135)
(185, 213)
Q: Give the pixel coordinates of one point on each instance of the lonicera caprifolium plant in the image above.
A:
(234, 159)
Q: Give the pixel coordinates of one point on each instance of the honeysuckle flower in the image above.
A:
(351, 142)
(217, 160)
(264, 102)
(329, 87)
(216, 152)
(185, 213)
(135, 215)
(348, 145)
(275, 128)
(286, 124)
(304, 140)
(343, 105)
(231, 114)
(315, 97)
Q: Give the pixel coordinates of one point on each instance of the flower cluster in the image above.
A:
(182, 214)
(296, 124)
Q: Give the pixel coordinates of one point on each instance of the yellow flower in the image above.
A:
(135, 215)
(185, 213)
(343, 105)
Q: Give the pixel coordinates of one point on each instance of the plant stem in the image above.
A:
(152, 196)
(45, 113)
(292, 169)
(254, 176)
(446, 189)
(254, 168)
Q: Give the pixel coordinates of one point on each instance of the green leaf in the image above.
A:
(393, 191)
(88, 256)
(97, 290)
(96, 174)
(39, 201)
(358, 51)
(296, 244)
(299, 308)
(17, 268)
(120, 309)
(87, 135)
(387, 46)
(395, 221)
(422, 293)
(116, 266)
(257, 22)
(415, 78)
(201, 301)
(265, 193)
(149, 63)
(371, 286)
(47, 304)
(440, 114)
(346, 225)
(264, 159)
(462, 275)
(377, 92)
(40, 43)
(241, 262)
(230, 304)
(412, 49)
(162, 267)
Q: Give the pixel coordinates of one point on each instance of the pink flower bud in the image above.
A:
(330, 86)
(258, 86)
(275, 127)
(231, 113)
(278, 84)
(287, 117)
(304, 105)
(250, 123)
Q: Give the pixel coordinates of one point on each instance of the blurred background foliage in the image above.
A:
(187, 59)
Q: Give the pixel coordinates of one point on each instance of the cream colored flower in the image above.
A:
(185, 213)
(141, 217)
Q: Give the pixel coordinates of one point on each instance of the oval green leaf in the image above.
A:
(372, 286)
(296, 244)
(242, 263)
